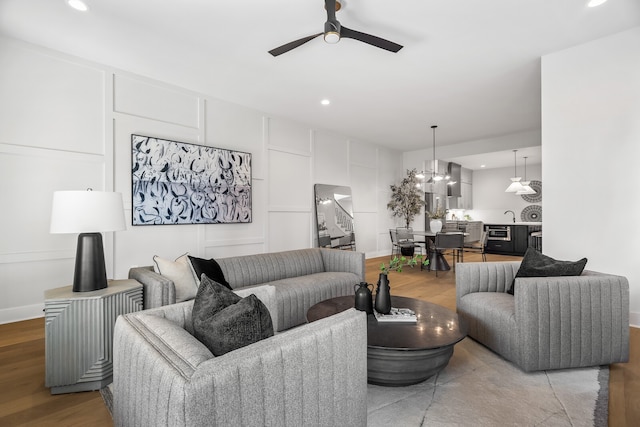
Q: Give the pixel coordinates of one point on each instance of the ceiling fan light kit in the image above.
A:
(334, 31)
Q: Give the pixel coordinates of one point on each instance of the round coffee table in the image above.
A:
(400, 354)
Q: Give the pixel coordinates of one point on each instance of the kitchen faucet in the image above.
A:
(512, 213)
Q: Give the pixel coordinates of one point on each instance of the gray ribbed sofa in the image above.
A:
(301, 278)
(313, 375)
(550, 322)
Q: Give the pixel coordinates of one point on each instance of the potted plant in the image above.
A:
(436, 217)
(406, 200)
(396, 263)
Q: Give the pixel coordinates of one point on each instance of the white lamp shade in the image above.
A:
(515, 185)
(86, 212)
(526, 189)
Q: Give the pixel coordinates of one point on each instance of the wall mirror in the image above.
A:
(334, 217)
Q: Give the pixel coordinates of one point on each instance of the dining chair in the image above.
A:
(453, 242)
(478, 246)
(406, 240)
(395, 246)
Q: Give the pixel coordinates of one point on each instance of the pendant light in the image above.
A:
(526, 189)
(435, 176)
(515, 181)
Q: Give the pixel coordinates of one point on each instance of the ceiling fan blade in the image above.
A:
(369, 39)
(292, 45)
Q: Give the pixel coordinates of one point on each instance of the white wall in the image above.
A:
(489, 199)
(66, 124)
(590, 151)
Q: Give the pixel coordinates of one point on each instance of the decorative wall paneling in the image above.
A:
(50, 102)
(331, 156)
(290, 185)
(137, 97)
(52, 137)
(65, 123)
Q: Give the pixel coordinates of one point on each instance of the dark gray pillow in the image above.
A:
(535, 264)
(210, 267)
(224, 322)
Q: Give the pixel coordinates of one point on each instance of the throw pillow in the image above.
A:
(210, 267)
(224, 322)
(535, 264)
(179, 272)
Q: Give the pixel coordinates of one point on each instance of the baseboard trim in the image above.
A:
(377, 254)
(25, 312)
(634, 319)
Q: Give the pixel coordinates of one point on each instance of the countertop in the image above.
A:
(514, 223)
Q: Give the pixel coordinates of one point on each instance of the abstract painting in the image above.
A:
(179, 183)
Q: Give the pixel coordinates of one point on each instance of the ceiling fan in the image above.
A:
(333, 32)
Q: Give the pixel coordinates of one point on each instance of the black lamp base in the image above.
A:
(90, 272)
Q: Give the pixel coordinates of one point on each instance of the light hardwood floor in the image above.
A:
(24, 400)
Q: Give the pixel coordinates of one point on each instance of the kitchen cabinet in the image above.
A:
(518, 241)
(465, 195)
(466, 189)
(520, 237)
(466, 200)
(499, 247)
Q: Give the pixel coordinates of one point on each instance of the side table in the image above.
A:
(79, 334)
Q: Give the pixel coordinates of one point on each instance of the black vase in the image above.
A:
(363, 298)
(407, 250)
(383, 295)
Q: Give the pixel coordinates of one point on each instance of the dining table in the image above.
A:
(437, 261)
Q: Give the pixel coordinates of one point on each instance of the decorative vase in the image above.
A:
(435, 225)
(363, 297)
(383, 295)
(407, 250)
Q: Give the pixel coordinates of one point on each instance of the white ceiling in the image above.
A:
(470, 66)
(501, 159)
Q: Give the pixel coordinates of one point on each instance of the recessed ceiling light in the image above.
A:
(325, 102)
(483, 166)
(78, 5)
(594, 3)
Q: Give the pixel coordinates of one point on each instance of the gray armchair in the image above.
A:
(312, 375)
(550, 322)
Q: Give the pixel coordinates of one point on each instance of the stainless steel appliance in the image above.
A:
(499, 232)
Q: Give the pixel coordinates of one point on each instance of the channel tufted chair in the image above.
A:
(311, 375)
(550, 322)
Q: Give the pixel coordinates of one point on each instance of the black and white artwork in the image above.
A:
(537, 196)
(179, 183)
(531, 213)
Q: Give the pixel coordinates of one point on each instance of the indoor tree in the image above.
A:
(405, 198)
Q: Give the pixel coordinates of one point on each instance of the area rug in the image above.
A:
(479, 388)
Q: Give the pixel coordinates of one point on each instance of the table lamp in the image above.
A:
(88, 213)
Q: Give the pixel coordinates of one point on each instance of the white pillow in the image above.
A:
(180, 273)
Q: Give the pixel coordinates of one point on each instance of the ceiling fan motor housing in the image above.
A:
(332, 32)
